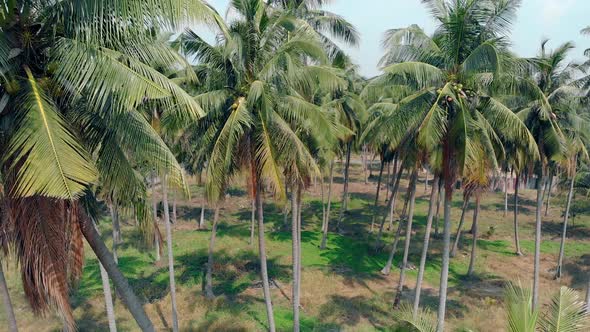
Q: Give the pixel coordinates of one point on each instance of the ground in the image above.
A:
(343, 289)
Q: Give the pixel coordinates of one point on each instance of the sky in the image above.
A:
(557, 20)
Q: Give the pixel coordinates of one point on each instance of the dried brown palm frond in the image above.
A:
(47, 241)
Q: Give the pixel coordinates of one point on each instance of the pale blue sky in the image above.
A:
(558, 20)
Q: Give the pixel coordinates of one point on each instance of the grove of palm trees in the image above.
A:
(170, 165)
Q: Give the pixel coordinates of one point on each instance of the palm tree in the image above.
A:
(576, 128)
(76, 83)
(547, 85)
(449, 70)
(252, 102)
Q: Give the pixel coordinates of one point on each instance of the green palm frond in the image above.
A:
(418, 75)
(267, 158)
(520, 315)
(483, 59)
(97, 21)
(44, 152)
(566, 313)
(423, 321)
(109, 74)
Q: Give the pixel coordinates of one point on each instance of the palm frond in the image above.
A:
(45, 154)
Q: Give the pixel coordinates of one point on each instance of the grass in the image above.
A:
(343, 288)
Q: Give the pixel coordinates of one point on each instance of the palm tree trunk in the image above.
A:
(505, 193)
(174, 207)
(121, 284)
(155, 213)
(391, 207)
(108, 298)
(376, 204)
(116, 230)
(327, 223)
(438, 200)
(253, 222)
(431, 202)
(393, 197)
(262, 253)
(10, 317)
(426, 182)
(538, 221)
(588, 296)
(344, 206)
(402, 274)
(461, 221)
(444, 273)
(202, 217)
(209, 276)
(286, 207)
(474, 245)
(516, 237)
(387, 268)
(388, 179)
(170, 253)
(365, 164)
(568, 204)
(296, 269)
(549, 187)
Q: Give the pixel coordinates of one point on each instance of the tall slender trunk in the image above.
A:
(365, 164)
(10, 317)
(538, 221)
(394, 191)
(588, 296)
(116, 230)
(402, 274)
(170, 253)
(108, 298)
(155, 213)
(549, 188)
(444, 273)
(327, 223)
(426, 182)
(391, 207)
(295, 253)
(388, 179)
(262, 251)
(202, 217)
(433, 194)
(505, 193)
(474, 244)
(566, 215)
(387, 268)
(323, 197)
(438, 200)
(286, 207)
(376, 204)
(461, 221)
(209, 276)
(253, 222)
(123, 289)
(516, 237)
(344, 206)
(174, 207)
